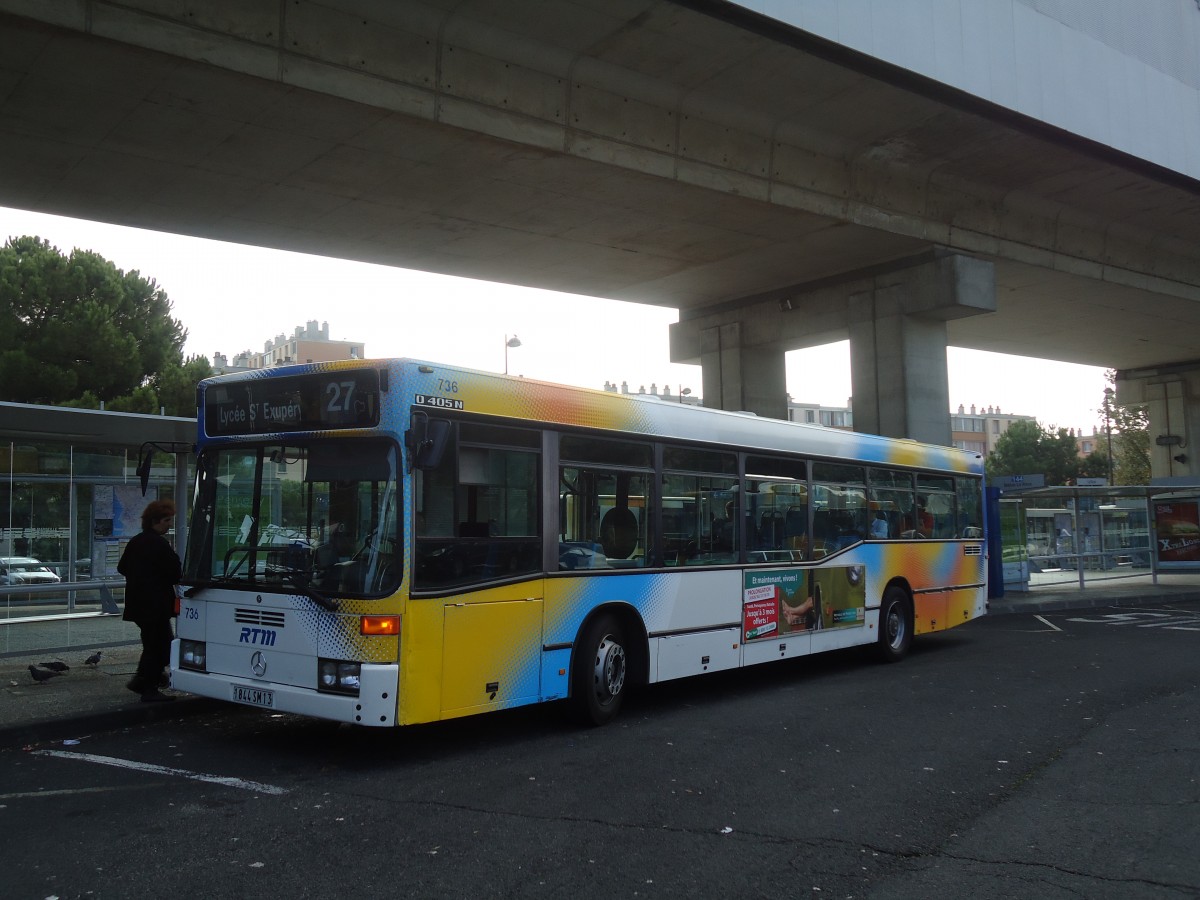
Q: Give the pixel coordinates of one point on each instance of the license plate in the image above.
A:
(254, 696)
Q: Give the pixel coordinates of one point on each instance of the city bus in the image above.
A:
(395, 542)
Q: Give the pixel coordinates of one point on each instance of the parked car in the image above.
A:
(25, 570)
(83, 568)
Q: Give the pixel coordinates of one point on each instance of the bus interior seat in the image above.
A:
(771, 529)
(619, 532)
(795, 529)
(824, 531)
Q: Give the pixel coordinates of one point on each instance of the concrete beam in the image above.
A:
(895, 316)
(647, 150)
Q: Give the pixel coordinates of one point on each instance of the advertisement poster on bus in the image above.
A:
(786, 601)
(1178, 532)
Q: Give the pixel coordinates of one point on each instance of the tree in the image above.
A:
(176, 385)
(1095, 464)
(1028, 449)
(77, 331)
(1016, 451)
(1130, 431)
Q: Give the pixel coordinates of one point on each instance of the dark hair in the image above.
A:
(156, 511)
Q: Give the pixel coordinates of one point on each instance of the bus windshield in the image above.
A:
(318, 517)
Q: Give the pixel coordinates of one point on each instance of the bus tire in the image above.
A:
(599, 671)
(895, 624)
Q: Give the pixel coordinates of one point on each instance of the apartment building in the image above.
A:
(979, 430)
(305, 345)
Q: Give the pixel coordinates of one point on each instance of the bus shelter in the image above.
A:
(70, 498)
(1076, 535)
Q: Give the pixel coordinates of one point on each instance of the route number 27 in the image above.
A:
(339, 394)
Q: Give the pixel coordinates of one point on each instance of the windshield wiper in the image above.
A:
(302, 581)
(295, 578)
(204, 585)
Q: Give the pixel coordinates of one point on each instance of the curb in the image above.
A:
(1066, 603)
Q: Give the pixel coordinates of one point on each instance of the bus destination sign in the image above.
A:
(322, 400)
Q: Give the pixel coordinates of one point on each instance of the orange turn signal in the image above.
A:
(379, 625)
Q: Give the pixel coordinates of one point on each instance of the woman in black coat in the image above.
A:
(151, 568)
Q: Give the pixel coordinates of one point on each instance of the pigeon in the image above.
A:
(40, 675)
(93, 660)
(55, 665)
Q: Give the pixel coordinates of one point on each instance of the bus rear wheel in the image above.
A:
(895, 624)
(599, 671)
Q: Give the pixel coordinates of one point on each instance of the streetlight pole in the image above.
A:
(513, 341)
(1108, 395)
(683, 392)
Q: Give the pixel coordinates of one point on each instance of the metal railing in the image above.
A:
(1096, 565)
(36, 602)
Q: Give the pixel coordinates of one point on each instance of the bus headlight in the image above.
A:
(338, 676)
(192, 655)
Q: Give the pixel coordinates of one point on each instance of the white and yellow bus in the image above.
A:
(394, 542)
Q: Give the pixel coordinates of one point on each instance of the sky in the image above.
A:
(232, 297)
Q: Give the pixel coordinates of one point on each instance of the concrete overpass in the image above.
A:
(780, 189)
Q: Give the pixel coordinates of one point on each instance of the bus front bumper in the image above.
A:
(375, 704)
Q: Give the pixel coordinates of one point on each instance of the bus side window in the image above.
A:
(777, 499)
(891, 502)
(479, 515)
(840, 514)
(602, 518)
(969, 507)
(699, 504)
(935, 506)
(604, 502)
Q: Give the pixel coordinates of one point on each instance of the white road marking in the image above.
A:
(1132, 618)
(1044, 622)
(227, 781)
(1172, 620)
(64, 793)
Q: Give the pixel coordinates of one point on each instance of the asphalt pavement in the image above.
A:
(89, 698)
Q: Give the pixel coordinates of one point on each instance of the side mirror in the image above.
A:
(147, 458)
(143, 467)
(426, 441)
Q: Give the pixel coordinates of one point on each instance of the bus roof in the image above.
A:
(414, 382)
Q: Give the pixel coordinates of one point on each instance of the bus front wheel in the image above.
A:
(895, 624)
(599, 671)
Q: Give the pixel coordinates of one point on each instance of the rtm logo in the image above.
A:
(263, 637)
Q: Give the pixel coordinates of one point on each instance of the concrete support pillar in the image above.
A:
(739, 377)
(1171, 395)
(895, 315)
(898, 344)
(898, 375)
